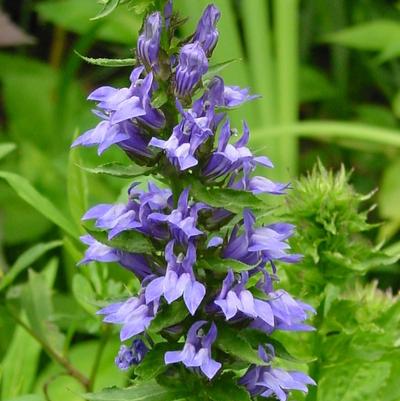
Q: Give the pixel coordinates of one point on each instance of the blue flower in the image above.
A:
(266, 381)
(178, 280)
(197, 350)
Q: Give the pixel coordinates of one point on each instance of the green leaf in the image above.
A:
(108, 8)
(84, 293)
(160, 98)
(119, 170)
(352, 381)
(389, 193)
(225, 388)
(19, 364)
(313, 85)
(108, 62)
(169, 316)
(230, 342)
(128, 241)
(229, 199)
(153, 363)
(74, 16)
(37, 302)
(373, 35)
(77, 187)
(28, 397)
(150, 391)
(30, 195)
(25, 260)
(222, 265)
(217, 68)
(6, 148)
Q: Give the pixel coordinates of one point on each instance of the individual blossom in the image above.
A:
(179, 280)
(134, 314)
(182, 220)
(206, 32)
(148, 44)
(289, 314)
(192, 65)
(132, 355)
(260, 245)
(192, 132)
(236, 298)
(266, 381)
(196, 352)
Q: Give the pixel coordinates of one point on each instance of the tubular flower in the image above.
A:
(148, 44)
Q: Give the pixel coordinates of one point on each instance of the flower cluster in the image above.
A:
(188, 138)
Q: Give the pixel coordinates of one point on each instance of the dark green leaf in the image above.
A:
(222, 265)
(129, 241)
(229, 199)
(170, 315)
(150, 391)
(108, 8)
(108, 62)
(6, 148)
(119, 170)
(25, 260)
(225, 388)
(230, 342)
(30, 195)
(153, 363)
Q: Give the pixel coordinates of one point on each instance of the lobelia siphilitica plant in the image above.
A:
(208, 304)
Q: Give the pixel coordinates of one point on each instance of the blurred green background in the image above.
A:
(329, 75)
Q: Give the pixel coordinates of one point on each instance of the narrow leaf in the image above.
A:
(119, 170)
(223, 265)
(6, 148)
(25, 260)
(217, 68)
(108, 8)
(129, 241)
(108, 62)
(30, 195)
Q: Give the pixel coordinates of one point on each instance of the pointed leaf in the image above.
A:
(108, 62)
(6, 148)
(119, 170)
(108, 8)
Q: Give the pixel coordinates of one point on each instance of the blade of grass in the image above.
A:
(286, 42)
(337, 129)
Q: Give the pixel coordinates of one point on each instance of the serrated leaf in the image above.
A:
(30, 195)
(150, 391)
(108, 8)
(25, 260)
(108, 62)
(153, 363)
(6, 148)
(129, 241)
(225, 388)
(223, 265)
(169, 316)
(229, 342)
(119, 170)
(356, 381)
(230, 199)
(217, 68)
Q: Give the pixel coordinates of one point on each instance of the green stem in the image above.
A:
(286, 42)
(102, 343)
(60, 359)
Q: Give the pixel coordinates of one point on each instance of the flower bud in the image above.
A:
(192, 65)
(206, 32)
(148, 44)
